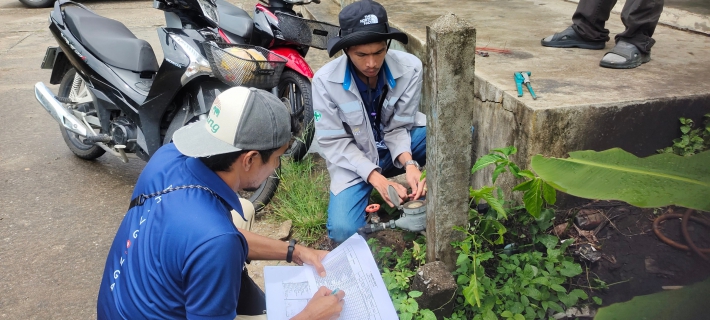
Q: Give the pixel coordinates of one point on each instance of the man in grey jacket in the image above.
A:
(366, 117)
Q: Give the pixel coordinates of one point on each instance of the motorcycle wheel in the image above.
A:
(38, 3)
(297, 89)
(74, 87)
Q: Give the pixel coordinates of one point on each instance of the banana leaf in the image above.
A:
(614, 174)
(688, 303)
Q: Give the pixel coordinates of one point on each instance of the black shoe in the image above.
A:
(632, 57)
(570, 39)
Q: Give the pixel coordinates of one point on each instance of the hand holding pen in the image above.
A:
(326, 304)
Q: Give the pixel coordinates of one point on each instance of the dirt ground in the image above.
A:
(633, 259)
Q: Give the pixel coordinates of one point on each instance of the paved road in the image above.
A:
(58, 214)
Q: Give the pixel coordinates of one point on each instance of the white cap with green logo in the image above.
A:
(240, 119)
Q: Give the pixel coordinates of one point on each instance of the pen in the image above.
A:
(334, 292)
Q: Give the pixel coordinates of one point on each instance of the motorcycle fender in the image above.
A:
(295, 61)
(60, 66)
(49, 57)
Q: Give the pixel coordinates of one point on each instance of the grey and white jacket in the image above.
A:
(343, 128)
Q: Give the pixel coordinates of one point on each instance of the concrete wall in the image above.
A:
(639, 127)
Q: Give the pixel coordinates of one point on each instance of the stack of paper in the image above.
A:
(350, 267)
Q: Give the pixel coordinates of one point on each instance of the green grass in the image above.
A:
(302, 197)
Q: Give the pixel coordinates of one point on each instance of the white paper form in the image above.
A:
(350, 267)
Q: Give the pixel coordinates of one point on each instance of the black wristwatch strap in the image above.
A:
(291, 246)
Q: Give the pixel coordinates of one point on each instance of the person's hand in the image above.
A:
(309, 256)
(323, 306)
(381, 183)
(418, 186)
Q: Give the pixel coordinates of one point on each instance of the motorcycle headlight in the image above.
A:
(198, 64)
(209, 10)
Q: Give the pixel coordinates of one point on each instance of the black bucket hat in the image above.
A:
(363, 22)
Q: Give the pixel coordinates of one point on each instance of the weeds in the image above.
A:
(524, 285)
(526, 278)
(302, 197)
(397, 272)
(691, 141)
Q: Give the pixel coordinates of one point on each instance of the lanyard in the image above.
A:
(140, 199)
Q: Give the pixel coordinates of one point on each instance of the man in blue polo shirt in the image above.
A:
(178, 253)
(367, 119)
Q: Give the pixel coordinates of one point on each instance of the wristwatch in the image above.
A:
(414, 162)
(291, 247)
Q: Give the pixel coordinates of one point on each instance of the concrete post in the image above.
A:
(448, 103)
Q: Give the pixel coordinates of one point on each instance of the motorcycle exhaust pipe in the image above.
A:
(46, 98)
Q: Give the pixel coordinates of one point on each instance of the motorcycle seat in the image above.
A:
(110, 41)
(234, 20)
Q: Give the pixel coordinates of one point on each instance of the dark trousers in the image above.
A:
(640, 18)
(251, 301)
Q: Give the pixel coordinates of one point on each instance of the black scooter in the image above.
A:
(114, 98)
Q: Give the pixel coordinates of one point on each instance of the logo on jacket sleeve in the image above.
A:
(317, 115)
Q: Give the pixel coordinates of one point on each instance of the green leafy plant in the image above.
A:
(685, 303)
(397, 271)
(536, 192)
(408, 308)
(523, 286)
(692, 140)
(614, 174)
(522, 280)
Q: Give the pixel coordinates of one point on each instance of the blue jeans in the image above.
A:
(346, 211)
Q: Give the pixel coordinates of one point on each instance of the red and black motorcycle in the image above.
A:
(280, 29)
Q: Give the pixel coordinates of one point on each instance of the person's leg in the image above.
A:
(591, 16)
(640, 17)
(633, 46)
(418, 147)
(252, 300)
(249, 212)
(587, 30)
(251, 297)
(346, 211)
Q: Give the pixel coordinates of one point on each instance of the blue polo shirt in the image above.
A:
(178, 255)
